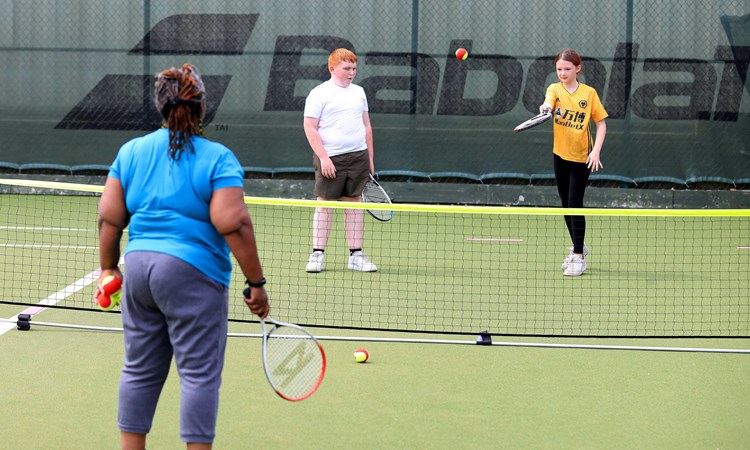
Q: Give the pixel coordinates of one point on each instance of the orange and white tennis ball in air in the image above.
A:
(109, 297)
(361, 355)
(462, 54)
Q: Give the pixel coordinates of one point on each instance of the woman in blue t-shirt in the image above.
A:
(181, 196)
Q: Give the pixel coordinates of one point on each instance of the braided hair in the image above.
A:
(180, 98)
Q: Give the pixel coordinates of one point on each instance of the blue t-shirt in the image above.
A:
(168, 200)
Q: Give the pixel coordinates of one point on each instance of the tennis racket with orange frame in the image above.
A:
(293, 360)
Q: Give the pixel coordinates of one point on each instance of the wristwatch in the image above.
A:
(256, 284)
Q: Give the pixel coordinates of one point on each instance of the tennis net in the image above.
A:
(441, 269)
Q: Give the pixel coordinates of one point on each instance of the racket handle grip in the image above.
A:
(246, 292)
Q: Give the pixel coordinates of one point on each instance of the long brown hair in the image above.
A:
(180, 98)
(571, 56)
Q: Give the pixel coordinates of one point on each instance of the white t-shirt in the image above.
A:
(339, 112)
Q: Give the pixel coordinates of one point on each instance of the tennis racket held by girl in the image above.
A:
(534, 121)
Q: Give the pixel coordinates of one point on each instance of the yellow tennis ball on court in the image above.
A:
(361, 355)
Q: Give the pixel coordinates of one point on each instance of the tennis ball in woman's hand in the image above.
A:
(109, 297)
(361, 355)
(108, 302)
(111, 284)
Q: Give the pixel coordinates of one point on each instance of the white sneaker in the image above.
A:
(360, 261)
(567, 259)
(576, 267)
(315, 262)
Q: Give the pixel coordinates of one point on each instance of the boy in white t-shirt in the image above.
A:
(337, 126)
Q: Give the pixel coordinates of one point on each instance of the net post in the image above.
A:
(24, 322)
(484, 338)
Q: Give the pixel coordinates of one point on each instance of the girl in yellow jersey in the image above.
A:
(576, 154)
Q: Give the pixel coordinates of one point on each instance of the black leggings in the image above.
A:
(572, 178)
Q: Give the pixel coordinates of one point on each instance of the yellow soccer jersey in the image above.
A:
(573, 114)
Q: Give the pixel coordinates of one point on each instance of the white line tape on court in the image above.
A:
(49, 247)
(53, 299)
(548, 345)
(46, 229)
(81, 283)
(473, 239)
(524, 344)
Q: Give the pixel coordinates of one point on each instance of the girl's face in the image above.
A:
(343, 74)
(567, 72)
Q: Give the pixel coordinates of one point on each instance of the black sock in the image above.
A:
(352, 250)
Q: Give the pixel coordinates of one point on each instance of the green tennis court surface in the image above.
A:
(446, 274)
(442, 269)
(60, 391)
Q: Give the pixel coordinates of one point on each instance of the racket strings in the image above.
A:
(373, 193)
(294, 362)
(534, 121)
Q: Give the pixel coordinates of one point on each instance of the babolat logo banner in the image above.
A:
(678, 102)
(114, 103)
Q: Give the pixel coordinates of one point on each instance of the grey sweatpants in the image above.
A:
(170, 308)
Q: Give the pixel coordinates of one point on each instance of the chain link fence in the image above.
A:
(77, 78)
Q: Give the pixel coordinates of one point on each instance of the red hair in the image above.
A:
(339, 55)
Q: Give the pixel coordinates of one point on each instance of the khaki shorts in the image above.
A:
(352, 172)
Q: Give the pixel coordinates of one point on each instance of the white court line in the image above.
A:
(17, 228)
(471, 239)
(53, 299)
(46, 229)
(521, 344)
(443, 341)
(743, 248)
(49, 247)
(43, 246)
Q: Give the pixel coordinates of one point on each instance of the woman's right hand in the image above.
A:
(256, 299)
